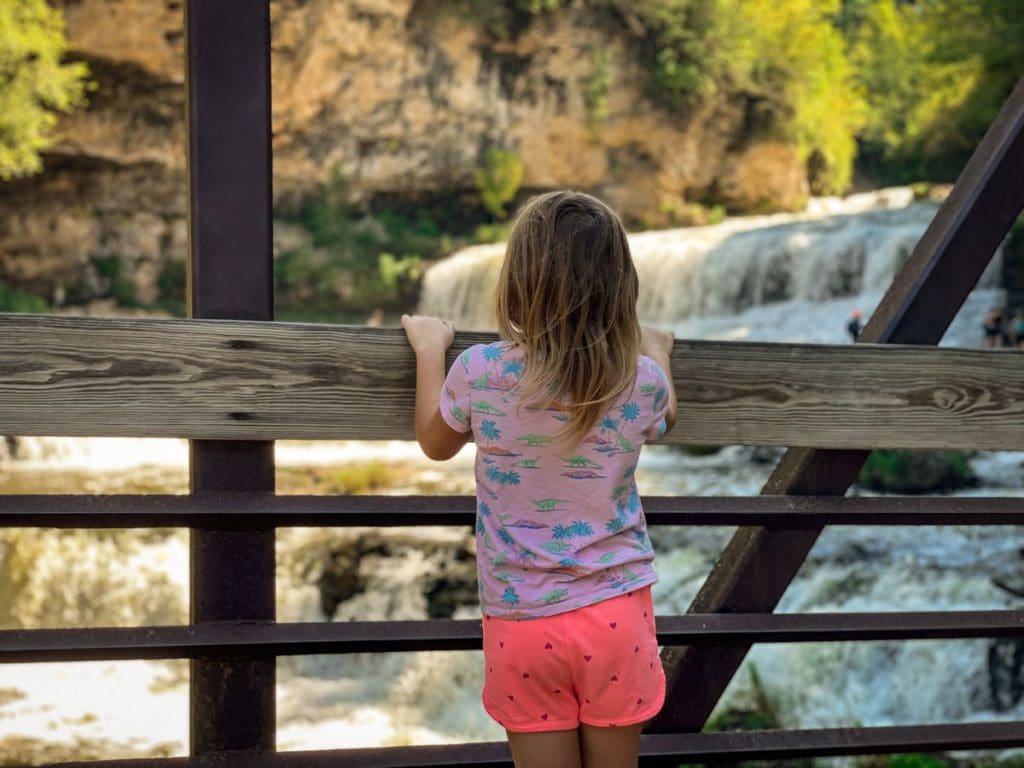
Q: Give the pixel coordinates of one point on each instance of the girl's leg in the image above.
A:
(548, 749)
(616, 747)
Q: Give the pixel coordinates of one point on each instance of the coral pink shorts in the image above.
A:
(597, 665)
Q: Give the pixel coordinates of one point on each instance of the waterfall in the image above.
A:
(784, 277)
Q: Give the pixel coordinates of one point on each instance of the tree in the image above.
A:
(936, 73)
(35, 83)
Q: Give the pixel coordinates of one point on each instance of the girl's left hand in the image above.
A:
(428, 333)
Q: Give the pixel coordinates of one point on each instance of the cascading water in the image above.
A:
(786, 277)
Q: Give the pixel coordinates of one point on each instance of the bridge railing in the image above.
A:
(235, 380)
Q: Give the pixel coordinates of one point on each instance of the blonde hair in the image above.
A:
(567, 296)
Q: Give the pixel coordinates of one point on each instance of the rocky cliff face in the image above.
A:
(401, 97)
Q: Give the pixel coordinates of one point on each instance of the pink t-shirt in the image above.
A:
(555, 529)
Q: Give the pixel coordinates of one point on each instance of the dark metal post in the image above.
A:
(230, 276)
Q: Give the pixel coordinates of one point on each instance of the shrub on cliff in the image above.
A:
(13, 300)
(498, 179)
(34, 83)
(360, 259)
(785, 57)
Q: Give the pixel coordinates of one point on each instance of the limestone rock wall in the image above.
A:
(402, 97)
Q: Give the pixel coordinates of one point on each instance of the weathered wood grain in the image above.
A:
(219, 379)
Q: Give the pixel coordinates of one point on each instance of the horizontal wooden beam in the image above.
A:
(260, 510)
(237, 380)
(656, 750)
(267, 639)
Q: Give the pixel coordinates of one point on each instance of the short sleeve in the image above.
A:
(654, 386)
(455, 407)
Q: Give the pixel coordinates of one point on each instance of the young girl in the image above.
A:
(559, 409)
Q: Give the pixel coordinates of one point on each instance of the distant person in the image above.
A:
(376, 319)
(1016, 330)
(565, 563)
(854, 326)
(992, 325)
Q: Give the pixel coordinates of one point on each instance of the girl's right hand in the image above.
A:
(654, 342)
(427, 334)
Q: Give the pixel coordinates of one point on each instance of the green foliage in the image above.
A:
(108, 267)
(116, 282)
(498, 179)
(597, 87)
(34, 84)
(935, 73)
(917, 760)
(538, 6)
(13, 300)
(691, 214)
(698, 451)
(786, 57)
(902, 471)
(495, 232)
(361, 260)
(171, 286)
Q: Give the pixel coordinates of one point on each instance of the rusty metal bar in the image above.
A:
(261, 510)
(656, 750)
(232, 701)
(263, 640)
(758, 564)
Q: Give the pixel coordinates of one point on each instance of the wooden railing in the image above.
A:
(235, 380)
(233, 386)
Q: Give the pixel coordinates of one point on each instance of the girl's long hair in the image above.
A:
(567, 296)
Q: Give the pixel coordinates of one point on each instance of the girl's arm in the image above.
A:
(657, 345)
(430, 338)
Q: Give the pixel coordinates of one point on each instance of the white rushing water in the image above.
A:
(780, 278)
(784, 277)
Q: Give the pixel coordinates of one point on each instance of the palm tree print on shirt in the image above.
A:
(503, 478)
(611, 438)
(513, 368)
(629, 412)
(576, 529)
